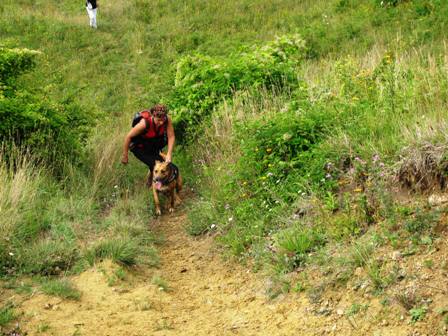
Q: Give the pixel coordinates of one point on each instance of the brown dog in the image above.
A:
(166, 179)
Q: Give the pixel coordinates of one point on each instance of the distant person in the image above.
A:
(91, 7)
(152, 130)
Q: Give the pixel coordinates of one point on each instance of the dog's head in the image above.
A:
(161, 173)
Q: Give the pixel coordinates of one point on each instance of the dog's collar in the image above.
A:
(174, 174)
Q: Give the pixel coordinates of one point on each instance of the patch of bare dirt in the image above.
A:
(206, 296)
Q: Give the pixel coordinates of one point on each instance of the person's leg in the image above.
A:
(147, 158)
(93, 21)
(92, 16)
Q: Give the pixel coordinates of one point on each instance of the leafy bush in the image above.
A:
(202, 82)
(52, 131)
(277, 145)
(14, 62)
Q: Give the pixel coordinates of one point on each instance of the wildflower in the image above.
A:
(268, 150)
(212, 226)
(230, 219)
(357, 190)
(11, 254)
(269, 174)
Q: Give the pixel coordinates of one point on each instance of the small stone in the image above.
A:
(435, 200)
(340, 312)
(396, 255)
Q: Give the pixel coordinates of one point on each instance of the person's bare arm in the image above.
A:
(136, 130)
(171, 140)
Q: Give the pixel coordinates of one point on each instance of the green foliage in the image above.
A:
(160, 282)
(299, 241)
(277, 149)
(418, 314)
(61, 288)
(52, 132)
(200, 218)
(14, 62)
(121, 250)
(202, 82)
(47, 257)
(360, 254)
(7, 314)
(356, 308)
(421, 221)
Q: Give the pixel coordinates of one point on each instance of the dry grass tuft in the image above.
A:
(424, 166)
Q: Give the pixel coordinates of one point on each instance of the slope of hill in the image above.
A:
(313, 133)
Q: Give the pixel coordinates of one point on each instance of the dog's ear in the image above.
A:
(158, 162)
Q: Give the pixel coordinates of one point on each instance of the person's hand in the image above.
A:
(168, 158)
(124, 159)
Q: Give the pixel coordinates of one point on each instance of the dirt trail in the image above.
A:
(206, 296)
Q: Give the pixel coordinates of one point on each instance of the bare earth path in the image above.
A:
(206, 296)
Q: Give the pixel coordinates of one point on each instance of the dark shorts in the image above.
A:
(149, 152)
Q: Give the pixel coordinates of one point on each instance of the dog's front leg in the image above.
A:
(149, 179)
(156, 201)
(171, 209)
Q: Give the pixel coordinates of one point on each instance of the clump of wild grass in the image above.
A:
(424, 166)
(160, 282)
(6, 314)
(48, 257)
(407, 298)
(123, 251)
(61, 288)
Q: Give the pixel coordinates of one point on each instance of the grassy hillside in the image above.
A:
(313, 133)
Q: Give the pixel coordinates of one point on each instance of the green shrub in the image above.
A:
(51, 131)
(279, 145)
(14, 62)
(202, 82)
